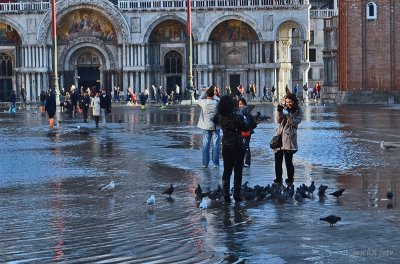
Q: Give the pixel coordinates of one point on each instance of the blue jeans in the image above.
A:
(207, 135)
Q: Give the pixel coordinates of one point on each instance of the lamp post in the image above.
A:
(190, 87)
(54, 46)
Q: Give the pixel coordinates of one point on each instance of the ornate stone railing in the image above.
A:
(154, 5)
(16, 7)
(323, 13)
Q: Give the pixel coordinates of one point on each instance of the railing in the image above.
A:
(323, 13)
(206, 4)
(155, 5)
(24, 7)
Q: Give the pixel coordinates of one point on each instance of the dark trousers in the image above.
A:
(247, 154)
(289, 165)
(85, 114)
(96, 120)
(233, 161)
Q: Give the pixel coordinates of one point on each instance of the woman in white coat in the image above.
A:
(95, 104)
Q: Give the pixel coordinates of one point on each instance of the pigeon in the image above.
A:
(321, 190)
(311, 188)
(331, 219)
(337, 193)
(389, 195)
(108, 187)
(169, 191)
(151, 201)
(385, 146)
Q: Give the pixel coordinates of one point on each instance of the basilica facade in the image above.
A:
(141, 43)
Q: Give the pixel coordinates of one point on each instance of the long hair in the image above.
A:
(226, 106)
(293, 97)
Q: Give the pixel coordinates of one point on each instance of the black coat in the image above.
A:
(50, 106)
(105, 102)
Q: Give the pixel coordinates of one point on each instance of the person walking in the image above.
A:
(211, 133)
(178, 93)
(74, 100)
(105, 106)
(42, 99)
(13, 101)
(23, 95)
(50, 107)
(232, 125)
(95, 104)
(84, 105)
(245, 110)
(289, 116)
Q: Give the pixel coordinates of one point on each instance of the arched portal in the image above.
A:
(88, 70)
(167, 45)
(234, 44)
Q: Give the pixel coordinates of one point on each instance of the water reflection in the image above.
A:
(51, 207)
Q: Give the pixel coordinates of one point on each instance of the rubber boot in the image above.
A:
(225, 188)
(236, 191)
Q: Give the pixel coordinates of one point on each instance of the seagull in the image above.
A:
(331, 219)
(385, 146)
(205, 203)
(108, 187)
(151, 201)
(169, 191)
(337, 193)
(389, 195)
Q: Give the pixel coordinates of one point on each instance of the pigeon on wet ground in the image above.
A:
(321, 190)
(169, 191)
(389, 195)
(331, 219)
(337, 193)
(109, 187)
(385, 146)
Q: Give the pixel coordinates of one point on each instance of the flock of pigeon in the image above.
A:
(275, 192)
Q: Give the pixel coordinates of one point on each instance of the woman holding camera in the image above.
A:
(288, 123)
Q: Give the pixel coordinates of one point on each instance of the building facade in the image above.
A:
(369, 53)
(138, 44)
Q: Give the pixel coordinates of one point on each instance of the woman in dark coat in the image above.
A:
(50, 107)
(232, 125)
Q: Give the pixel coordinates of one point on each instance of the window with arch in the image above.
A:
(173, 62)
(372, 10)
(5, 65)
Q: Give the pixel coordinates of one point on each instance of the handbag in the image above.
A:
(276, 141)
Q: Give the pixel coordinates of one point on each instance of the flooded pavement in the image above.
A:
(52, 211)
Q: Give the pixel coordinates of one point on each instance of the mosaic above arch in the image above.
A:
(233, 30)
(8, 35)
(168, 31)
(85, 23)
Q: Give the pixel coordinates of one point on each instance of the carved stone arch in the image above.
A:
(105, 7)
(162, 18)
(109, 62)
(215, 23)
(22, 33)
(282, 31)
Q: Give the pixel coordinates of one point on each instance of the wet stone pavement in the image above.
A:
(51, 210)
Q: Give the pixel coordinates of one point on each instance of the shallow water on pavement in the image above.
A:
(52, 211)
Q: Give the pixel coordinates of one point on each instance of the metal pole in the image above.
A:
(190, 87)
(54, 46)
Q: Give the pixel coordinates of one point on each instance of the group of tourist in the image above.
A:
(231, 114)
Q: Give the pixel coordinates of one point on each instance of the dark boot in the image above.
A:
(225, 188)
(236, 191)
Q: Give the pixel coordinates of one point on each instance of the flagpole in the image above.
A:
(190, 87)
(54, 47)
